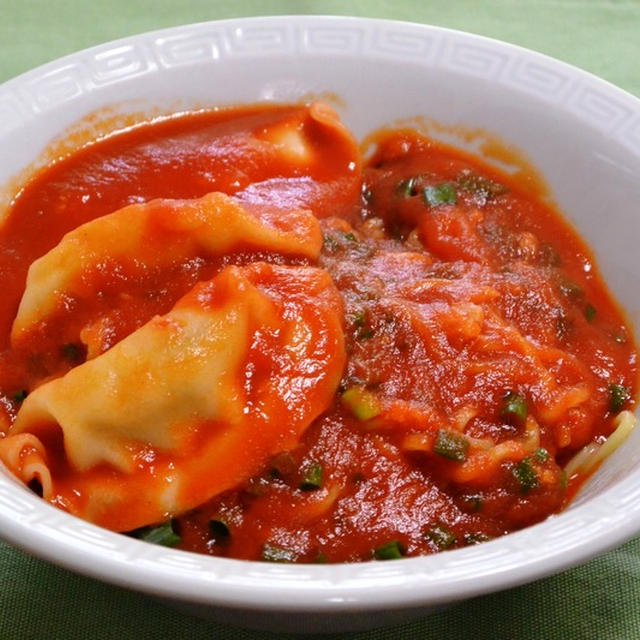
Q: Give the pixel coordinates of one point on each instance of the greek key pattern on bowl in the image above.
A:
(332, 42)
(54, 85)
(190, 48)
(120, 63)
(539, 78)
(476, 59)
(399, 44)
(261, 41)
(611, 115)
(53, 88)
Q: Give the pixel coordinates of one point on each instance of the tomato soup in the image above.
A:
(231, 333)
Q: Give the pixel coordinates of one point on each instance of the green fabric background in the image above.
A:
(600, 600)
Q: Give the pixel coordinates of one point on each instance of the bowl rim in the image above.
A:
(579, 533)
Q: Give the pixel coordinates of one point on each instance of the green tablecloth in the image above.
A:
(599, 600)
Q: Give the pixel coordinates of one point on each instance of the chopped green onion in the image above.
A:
(440, 535)
(19, 396)
(362, 403)
(451, 445)
(589, 313)
(514, 409)
(472, 503)
(541, 454)
(439, 194)
(389, 551)
(563, 479)
(367, 195)
(350, 237)
(358, 318)
(163, 534)
(618, 396)
(359, 321)
(274, 473)
(526, 475)
(320, 558)
(312, 478)
(218, 529)
(407, 187)
(273, 553)
(72, 352)
(329, 242)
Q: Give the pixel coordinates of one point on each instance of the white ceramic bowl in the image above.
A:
(580, 132)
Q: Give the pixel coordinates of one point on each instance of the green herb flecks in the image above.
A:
(563, 479)
(363, 404)
(440, 535)
(439, 194)
(219, 529)
(590, 313)
(451, 445)
(19, 396)
(361, 330)
(391, 550)
(472, 504)
(514, 409)
(526, 475)
(329, 243)
(541, 454)
(162, 534)
(312, 479)
(618, 396)
(72, 352)
(407, 188)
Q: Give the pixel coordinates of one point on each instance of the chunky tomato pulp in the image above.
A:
(482, 348)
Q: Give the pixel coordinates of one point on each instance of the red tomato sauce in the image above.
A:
(482, 345)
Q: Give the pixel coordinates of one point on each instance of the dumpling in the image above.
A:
(317, 160)
(103, 264)
(191, 404)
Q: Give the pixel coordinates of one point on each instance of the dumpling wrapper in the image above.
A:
(191, 404)
(119, 251)
(319, 164)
